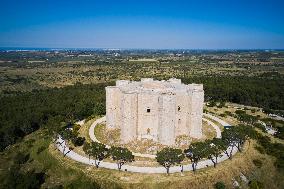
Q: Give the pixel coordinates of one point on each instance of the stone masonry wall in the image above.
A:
(157, 110)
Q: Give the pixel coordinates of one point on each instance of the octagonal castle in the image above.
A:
(158, 110)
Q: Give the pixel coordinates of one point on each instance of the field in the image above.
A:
(43, 91)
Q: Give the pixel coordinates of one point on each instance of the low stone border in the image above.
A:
(62, 147)
(103, 119)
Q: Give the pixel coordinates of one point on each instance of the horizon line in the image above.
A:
(115, 48)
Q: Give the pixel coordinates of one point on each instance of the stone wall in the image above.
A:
(129, 117)
(157, 110)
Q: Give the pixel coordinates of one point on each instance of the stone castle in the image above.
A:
(157, 110)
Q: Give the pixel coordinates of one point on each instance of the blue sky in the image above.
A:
(219, 24)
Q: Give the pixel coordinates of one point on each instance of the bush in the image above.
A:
(228, 113)
(220, 185)
(19, 179)
(254, 184)
(21, 158)
(257, 163)
(76, 128)
(240, 112)
(78, 141)
(260, 126)
(41, 149)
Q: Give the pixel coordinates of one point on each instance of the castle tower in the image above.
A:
(196, 99)
(129, 117)
(166, 133)
(155, 110)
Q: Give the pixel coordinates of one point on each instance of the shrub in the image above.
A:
(21, 158)
(41, 149)
(220, 185)
(257, 163)
(240, 112)
(78, 141)
(254, 184)
(228, 113)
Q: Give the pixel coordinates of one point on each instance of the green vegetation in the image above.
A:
(254, 91)
(195, 153)
(219, 185)
(121, 155)
(169, 156)
(96, 150)
(53, 109)
(214, 149)
(40, 96)
(272, 148)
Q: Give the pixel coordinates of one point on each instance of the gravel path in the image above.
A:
(103, 119)
(61, 145)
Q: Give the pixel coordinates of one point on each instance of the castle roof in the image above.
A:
(151, 86)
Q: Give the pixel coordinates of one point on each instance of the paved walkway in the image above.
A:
(62, 146)
(103, 119)
(222, 122)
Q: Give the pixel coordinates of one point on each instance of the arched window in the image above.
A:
(179, 108)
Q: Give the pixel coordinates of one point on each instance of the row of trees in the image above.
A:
(232, 138)
(99, 152)
(212, 149)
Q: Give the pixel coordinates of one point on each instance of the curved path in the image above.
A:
(62, 146)
(222, 122)
(103, 119)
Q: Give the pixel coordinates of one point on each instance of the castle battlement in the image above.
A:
(158, 110)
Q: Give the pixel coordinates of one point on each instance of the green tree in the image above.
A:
(121, 155)
(214, 149)
(195, 153)
(169, 156)
(237, 135)
(99, 152)
(87, 149)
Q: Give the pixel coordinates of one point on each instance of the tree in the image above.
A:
(78, 141)
(246, 118)
(87, 149)
(17, 178)
(230, 138)
(121, 155)
(214, 149)
(196, 152)
(99, 152)
(169, 156)
(67, 134)
(237, 135)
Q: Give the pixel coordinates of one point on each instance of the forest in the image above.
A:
(265, 92)
(22, 113)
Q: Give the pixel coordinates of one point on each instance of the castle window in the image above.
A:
(179, 108)
(148, 110)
